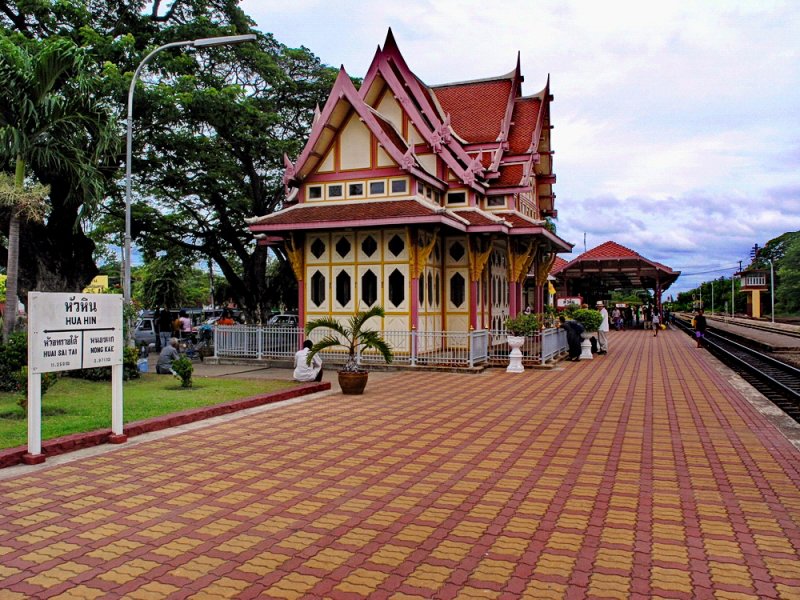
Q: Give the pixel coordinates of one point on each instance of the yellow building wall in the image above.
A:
(355, 145)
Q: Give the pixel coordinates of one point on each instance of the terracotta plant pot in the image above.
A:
(353, 382)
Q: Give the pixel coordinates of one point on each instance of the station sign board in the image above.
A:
(74, 331)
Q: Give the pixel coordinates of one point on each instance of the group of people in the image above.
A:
(167, 327)
(575, 329)
(169, 333)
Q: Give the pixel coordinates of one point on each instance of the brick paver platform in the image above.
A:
(643, 473)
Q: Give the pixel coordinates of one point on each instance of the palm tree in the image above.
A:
(352, 336)
(50, 119)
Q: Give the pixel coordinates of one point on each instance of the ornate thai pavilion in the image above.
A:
(428, 200)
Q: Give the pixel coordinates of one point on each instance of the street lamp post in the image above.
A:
(198, 43)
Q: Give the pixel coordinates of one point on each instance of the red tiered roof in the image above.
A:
(476, 108)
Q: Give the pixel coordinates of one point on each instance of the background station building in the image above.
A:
(432, 201)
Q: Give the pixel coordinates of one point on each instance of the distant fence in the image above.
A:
(410, 348)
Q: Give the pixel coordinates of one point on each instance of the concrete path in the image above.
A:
(644, 473)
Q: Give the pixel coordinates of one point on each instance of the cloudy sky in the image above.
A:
(677, 124)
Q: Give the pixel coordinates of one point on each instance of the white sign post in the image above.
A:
(72, 331)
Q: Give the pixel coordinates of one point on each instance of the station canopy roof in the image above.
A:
(611, 266)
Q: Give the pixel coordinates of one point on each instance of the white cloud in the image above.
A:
(676, 129)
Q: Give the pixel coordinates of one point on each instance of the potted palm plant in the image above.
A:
(353, 336)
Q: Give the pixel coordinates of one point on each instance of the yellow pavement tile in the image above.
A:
(6, 572)
(565, 541)
(554, 564)
(161, 529)
(58, 574)
(391, 555)
(197, 567)
(80, 592)
(299, 540)
(415, 533)
(177, 547)
(511, 546)
(200, 512)
(428, 576)
(49, 552)
(729, 574)
(294, 585)
(185, 499)
(357, 537)
(151, 590)
(383, 517)
(496, 571)
(613, 559)
(115, 549)
(226, 587)
(153, 512)
(239, 544)
(602, 585)
(474, 593)
(36, 518)
(263, 563)
(129, 571)
(783, 567)
(470, 529)
(109, 530)
(218, 527)
(671, 580)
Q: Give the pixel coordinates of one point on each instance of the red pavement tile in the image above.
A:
(642, 473)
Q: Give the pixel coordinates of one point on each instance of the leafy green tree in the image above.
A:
(162, 282)
(211, 128)
(48, 118)
(787, 294)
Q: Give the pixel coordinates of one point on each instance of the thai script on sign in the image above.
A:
(80, 306)
(71, 340)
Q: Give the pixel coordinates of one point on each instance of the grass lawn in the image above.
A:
(76, 405)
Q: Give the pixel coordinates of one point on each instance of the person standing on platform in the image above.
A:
(602, 331)
(700, 326)
(656, 323)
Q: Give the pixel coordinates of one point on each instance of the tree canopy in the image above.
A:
(210, 130)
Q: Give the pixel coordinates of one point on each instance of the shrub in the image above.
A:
(523, 324)
(13, 356)
(590, 319)
(183, 367)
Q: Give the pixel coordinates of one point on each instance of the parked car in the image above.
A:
(282, 334)
(283, 320)
(144, 332)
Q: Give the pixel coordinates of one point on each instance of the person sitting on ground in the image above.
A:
(169, 353)
(302, 370)
(574, 331)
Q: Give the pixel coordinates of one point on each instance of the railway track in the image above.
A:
(778, 381)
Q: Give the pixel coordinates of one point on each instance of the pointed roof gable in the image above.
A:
(343, 98)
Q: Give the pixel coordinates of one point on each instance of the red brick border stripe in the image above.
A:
(76, 441)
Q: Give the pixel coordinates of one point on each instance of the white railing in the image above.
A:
(411, 348)
(538, 349)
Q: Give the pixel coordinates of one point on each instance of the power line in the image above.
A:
(711, 271)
